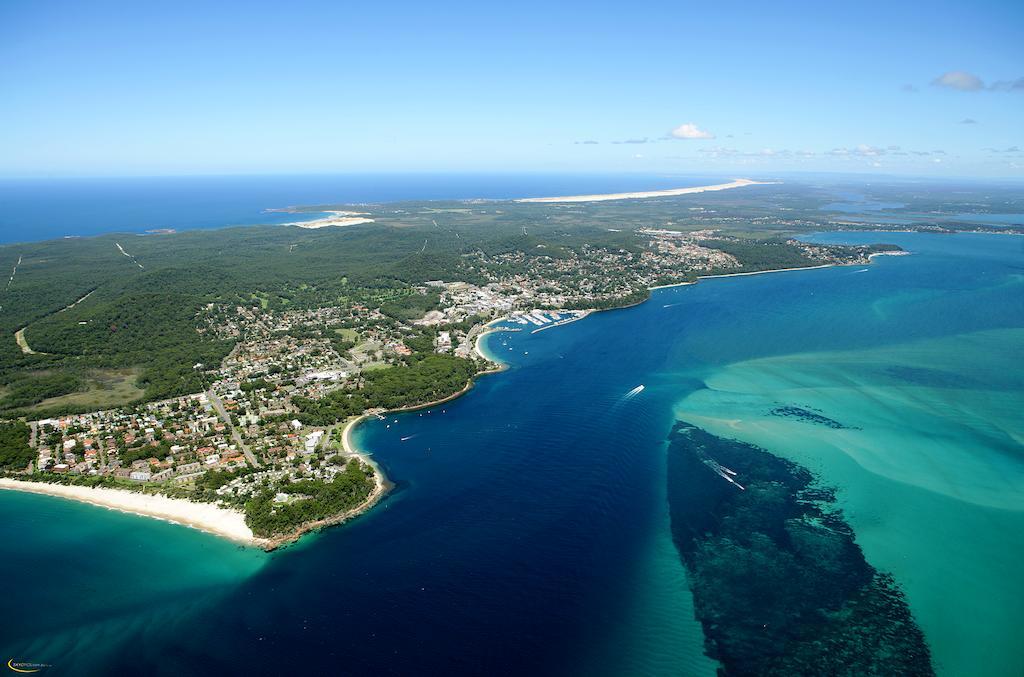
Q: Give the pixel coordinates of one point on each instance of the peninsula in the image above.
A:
(225, 399)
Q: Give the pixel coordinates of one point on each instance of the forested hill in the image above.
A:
(140, 310)
(129, 300)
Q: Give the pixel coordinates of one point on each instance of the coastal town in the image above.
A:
(271, 430)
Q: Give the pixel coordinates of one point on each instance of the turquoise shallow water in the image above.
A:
(930, 464)
(529, 531)
(79, 578)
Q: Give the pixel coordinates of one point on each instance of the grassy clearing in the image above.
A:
(262, 298)
(348, 334)
(106, 388)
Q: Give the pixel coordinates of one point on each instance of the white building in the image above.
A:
(313, 440)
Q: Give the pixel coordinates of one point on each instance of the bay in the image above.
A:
(529, 531)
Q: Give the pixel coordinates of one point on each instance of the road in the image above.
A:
(19, 336)
(223, 413)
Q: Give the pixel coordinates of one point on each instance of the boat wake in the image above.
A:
(725, 473)
(634, 392)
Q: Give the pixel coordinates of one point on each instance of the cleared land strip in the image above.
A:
(14, 272)
(121, 249)
(19, 335)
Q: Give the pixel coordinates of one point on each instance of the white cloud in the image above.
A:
(1009, 85)
(968, 82)
(965, 82)
(691, 131)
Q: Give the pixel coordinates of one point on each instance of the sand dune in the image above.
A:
(738, 183)
(336, 218)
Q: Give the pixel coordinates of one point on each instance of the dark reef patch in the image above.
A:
(808, 416)
(779, 585)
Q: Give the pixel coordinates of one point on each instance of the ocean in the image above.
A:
(530, 530)
(43, 209)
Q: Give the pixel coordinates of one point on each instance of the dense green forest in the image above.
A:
(761, 255)
(15, 453)
(312, 500)
(84, 304)
(37, 387)
(411, 307)
(424, 378)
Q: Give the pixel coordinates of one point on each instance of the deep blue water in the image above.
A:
(528, 532)
(42, 209)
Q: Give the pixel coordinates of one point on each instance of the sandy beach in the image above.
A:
(489, 328)
(379, 479)
(336, 218)
(203, 516)
(738, 183)
(346, 437)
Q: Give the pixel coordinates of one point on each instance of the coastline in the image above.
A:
(381, 486)
(489, 328)
(774, 270)
(672, 192)
(346, 435)
(230, 523)
(225, 522)
(336, 218)
(213, 519)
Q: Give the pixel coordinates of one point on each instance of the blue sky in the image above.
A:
(143, 88)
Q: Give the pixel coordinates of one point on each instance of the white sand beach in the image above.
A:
(379, 479)
(738, 183)
(336, 218)
(204, 516)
